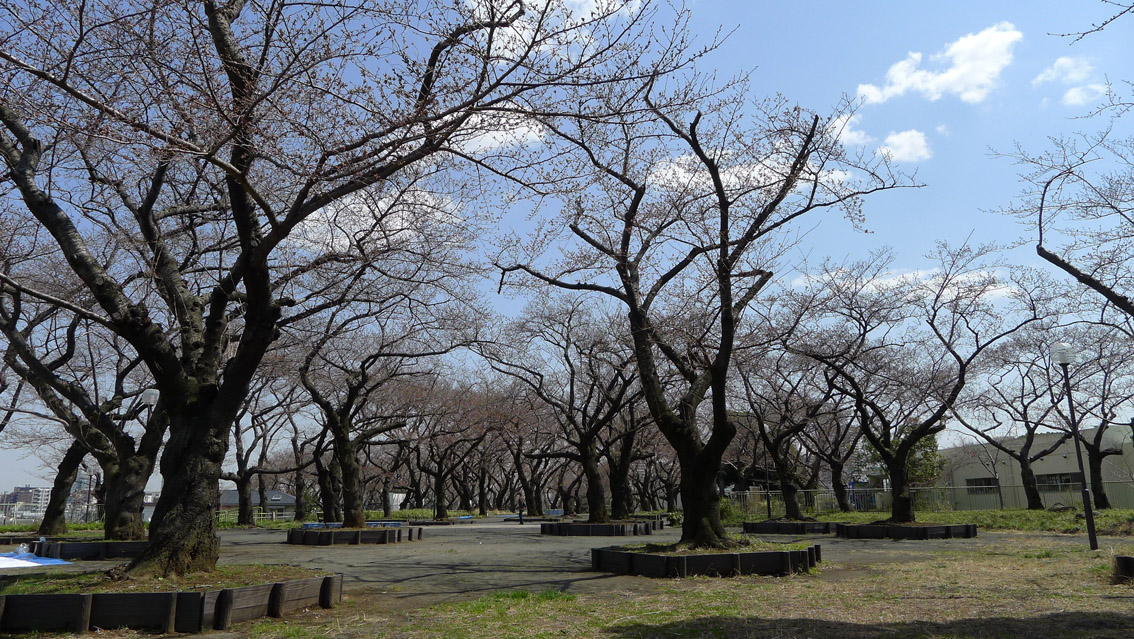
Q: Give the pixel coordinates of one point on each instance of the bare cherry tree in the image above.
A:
(678, 215)
(902, 347)
(1016, 398)
(562, 351)
(200, 136)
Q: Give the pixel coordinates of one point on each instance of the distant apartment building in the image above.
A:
(35, 496)
(981, 477)
(24, 504)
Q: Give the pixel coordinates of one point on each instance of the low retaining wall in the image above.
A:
(316, 537)
(915, 532)
(789, 527)
(769, 562)
(622, 529)
(165, 611)
(88, 549)
(1124, 569)
(658, 522)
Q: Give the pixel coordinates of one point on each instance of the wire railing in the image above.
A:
(943, 498)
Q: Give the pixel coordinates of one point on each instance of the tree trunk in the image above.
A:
(789, 491)
(1099, 500)
(387, 507)
(124, 494)
(300, 496)
(597, 512)
(901, 507)
(671, 493)
(700, 501)
(347, 457)
(244, 500)
(262, 494)
(442, 509)
(619, 474)
(183, 534)
(55, 516)
(1031, 489)
(840, 488)
(482, 491)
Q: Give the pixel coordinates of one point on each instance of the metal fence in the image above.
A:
(812, 502)
(259, 515)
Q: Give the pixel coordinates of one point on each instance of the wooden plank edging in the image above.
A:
(165, 612)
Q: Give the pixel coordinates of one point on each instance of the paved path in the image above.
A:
(468, 560)
(451, 562)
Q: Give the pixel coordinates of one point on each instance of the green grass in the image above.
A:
(1113, 521)
(30, 529)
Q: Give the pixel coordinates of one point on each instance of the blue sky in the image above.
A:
(974, 77)
(942, 120)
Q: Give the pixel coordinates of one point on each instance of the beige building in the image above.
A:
(978, 476)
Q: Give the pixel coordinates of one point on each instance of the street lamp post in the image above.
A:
(1062, 354)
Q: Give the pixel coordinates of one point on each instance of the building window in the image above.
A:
(1059, 482)
(982, 485)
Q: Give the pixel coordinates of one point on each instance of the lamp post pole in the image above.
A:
(1061, 354)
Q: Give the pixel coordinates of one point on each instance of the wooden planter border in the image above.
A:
(166, 611)
(915, 532)
(789, 527)
(1124, 569)
(317, 537)
(622, 529)
(769, 562)
(88, 549)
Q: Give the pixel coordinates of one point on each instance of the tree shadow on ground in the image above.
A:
(1074, 625)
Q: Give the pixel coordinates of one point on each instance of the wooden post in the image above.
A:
(327, 592)
(82, 621)
(276, 600)
(222, 618)
(171, 615)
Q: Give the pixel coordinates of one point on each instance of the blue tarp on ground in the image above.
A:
(27, 560)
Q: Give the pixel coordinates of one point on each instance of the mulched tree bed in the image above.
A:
(906, 531)
(720, 564)
(580, 529)
(355, 536)
(779, 527)
(1124, 569)
(165, 612)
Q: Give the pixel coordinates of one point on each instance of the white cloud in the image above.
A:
(975, 60)
(942, 129)
(489, 132)
(1066, 70)
(1079, 96)
(842, 128)
(906, 146)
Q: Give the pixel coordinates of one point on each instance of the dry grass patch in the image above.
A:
(1026, 587)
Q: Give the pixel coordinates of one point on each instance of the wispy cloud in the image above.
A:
(842, 128)
(1065, 69)
(1079, 96)
(906, 146)
(975, 62)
